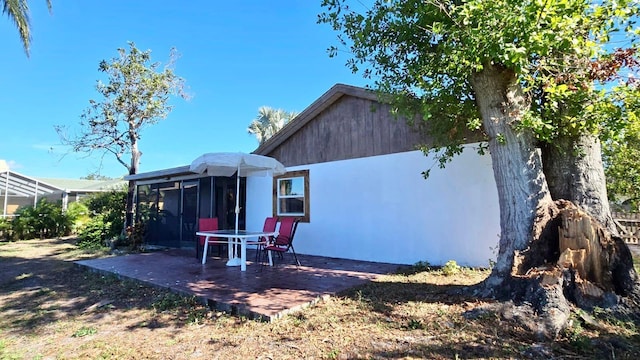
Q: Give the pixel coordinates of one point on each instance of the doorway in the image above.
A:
(225, 202)
(189, 213)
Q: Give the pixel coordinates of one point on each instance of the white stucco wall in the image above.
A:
(382, 209)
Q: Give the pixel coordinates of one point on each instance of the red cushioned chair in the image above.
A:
(270, 225)
(207, 224)
(284, 241)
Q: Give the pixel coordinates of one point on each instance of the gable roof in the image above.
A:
(311, 112)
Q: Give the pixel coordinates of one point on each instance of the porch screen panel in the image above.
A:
(168, 221)
(205, 206)
(147, 212)
(146, 203)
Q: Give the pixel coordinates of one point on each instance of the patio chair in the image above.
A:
(284, 241)
(270, 225)
(207, 224)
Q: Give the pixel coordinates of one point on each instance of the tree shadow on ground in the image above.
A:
(434, 318)
(38, 288)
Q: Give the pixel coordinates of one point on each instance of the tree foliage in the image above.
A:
(18, 12)
(97, 176)
(621, 151)
(268, 122)
(425, 53)
(135, 95)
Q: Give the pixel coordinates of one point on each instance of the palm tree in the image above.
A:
(18, 12)
(268, 122)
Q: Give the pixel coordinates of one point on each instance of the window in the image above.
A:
(291, 195)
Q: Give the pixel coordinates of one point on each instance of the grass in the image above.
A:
(51, 309)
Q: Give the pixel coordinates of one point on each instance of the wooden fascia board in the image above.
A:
(311, 112)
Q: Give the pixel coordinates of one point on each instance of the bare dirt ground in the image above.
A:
(51, 309)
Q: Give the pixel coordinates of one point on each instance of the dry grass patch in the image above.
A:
(51, 309)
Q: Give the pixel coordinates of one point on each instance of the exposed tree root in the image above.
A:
(572, 261)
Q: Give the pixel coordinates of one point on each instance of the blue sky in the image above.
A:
(235, 57)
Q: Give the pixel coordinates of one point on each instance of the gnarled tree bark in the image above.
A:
(517, 165)
(574, 171)
(589, 266)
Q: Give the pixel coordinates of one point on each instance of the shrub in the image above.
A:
(94, 232)
(135, 234)
(5, 229)
(78, 214)
(451, 267)
(111, 205)
(46, 219)
(106, 218)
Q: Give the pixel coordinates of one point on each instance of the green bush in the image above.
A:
(5, 228)
(451, 267)
(78, 213)
(112, 206)
(44, 220)
(106, 218)
(94, 232)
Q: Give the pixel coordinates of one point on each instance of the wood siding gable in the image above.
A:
(346, 122)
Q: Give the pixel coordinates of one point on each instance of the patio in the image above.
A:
(265, 293)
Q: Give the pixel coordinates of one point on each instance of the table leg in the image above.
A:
(270, 258)
(230, 245)
(243, 254)
(204, 251)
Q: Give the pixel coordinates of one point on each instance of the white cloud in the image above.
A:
(9, 165)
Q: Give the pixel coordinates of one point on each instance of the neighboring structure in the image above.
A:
(355, 180)
(18, 190)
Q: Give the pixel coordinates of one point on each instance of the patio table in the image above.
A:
(234, 238)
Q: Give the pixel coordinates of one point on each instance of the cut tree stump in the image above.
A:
(572, 260)
(581, 245)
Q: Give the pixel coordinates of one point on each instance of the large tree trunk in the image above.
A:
(574, 171)
(133, 169)
(524, 200)
(551, 254)
(517, 167)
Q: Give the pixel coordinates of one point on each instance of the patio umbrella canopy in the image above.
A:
(227, 164)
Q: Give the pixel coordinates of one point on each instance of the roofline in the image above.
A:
(33, 185)
(35, 179)
(322, 103)
(181, 170)
(84, 190)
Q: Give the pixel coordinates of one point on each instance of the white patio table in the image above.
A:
(234, 238)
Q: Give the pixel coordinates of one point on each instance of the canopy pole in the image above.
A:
(237, 197)
(6, 194)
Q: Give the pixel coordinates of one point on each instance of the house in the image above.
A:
(355, 180)
(17, 190)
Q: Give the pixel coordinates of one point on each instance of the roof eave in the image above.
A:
(158, 174)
